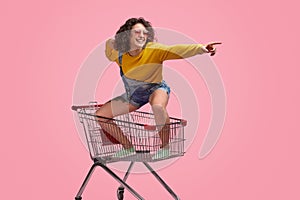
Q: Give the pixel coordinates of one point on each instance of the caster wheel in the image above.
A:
(120, 193)
(78, 198)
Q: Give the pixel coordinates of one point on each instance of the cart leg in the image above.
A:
(128, 171)
(125, 185)
(85, 182)
(120, 191)
(161, 181)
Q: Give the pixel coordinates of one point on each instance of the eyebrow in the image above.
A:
(139, 30)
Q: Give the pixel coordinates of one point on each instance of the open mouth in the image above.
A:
(140, 41)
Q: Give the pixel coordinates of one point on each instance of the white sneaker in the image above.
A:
(124, 152)
(162, 153)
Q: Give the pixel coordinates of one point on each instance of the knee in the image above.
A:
(159, 109)
(102, 116)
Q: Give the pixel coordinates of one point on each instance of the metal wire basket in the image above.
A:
(139, 128)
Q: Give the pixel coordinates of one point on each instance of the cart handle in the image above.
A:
(75, 108)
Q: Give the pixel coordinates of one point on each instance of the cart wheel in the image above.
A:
(78, 198)
(120, 193)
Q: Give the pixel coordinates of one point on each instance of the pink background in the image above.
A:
(43, 44)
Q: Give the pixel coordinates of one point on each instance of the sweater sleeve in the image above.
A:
(110, 52)
(178, 51)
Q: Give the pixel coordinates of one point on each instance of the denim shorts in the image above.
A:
(138, 95)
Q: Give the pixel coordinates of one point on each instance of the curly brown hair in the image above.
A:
(122, 37)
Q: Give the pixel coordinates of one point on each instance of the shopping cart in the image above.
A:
(140, 129)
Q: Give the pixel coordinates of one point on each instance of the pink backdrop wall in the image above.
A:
(43, 44)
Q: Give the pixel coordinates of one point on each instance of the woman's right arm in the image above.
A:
(110, 52)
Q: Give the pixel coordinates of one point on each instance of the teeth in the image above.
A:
(140, 41)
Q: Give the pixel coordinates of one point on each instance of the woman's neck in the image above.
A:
(135, 52)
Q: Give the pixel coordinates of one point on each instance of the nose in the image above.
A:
(141, 34)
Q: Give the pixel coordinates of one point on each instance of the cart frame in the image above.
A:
(141, 130)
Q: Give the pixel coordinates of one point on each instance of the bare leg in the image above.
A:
(112, 109)
(159, 101)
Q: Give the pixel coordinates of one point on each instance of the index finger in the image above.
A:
(215, 43)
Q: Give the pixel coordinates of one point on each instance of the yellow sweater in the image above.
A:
(147, 65)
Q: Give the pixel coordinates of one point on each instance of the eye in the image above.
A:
(139, 31)
(145, 32)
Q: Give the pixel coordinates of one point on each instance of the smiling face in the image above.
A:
(138, 37)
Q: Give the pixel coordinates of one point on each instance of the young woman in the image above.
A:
(141, 62)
